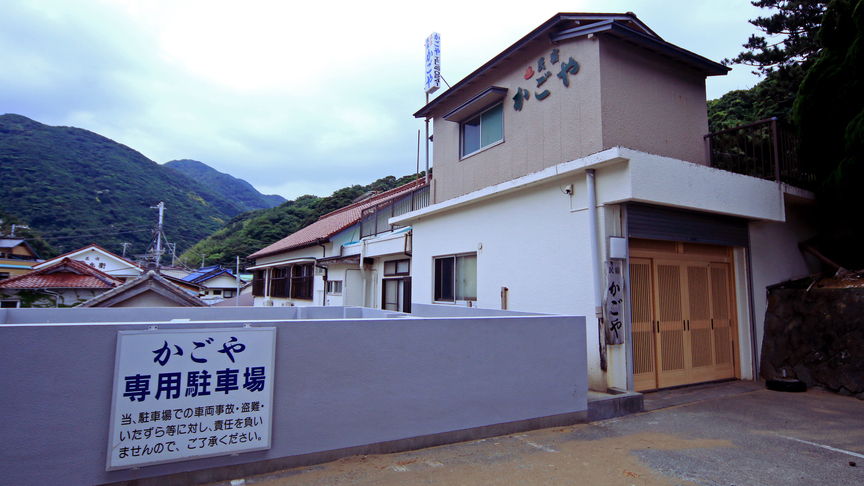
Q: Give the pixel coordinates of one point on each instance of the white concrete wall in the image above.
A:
(343, 386)
(531, 243)
(776, 257)
(531, 237)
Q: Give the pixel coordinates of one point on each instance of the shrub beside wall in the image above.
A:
(816, 336)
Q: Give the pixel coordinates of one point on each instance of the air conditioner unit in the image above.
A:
(268, 303)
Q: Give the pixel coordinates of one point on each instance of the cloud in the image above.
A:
(294, 97)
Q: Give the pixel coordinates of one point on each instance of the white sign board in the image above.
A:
(614, 300)
(433, 63)
(191, 393)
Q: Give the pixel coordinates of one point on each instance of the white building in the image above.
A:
(581, 145)
(350, 257)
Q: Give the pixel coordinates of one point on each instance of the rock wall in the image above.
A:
(816, 336)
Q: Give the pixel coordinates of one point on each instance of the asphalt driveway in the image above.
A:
(736, 433)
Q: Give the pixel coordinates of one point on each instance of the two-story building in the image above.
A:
(349, 257)
(573, 176)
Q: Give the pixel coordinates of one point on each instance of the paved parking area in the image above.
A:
(731, 434)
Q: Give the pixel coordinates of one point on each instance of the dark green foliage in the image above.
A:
(768, 99)
(241, 192)
(76, 187)
(798, 23)
(249, 232)
(829, 113)
(42, 248)
(784, 63)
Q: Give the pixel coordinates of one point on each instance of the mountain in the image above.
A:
(75, 187)
(228, 186)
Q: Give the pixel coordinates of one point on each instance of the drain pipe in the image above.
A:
(363, 273)
(594, 240)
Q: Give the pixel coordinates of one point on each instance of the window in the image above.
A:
(9, 304)
(279, 282)
(4, 275)
(217, 292)
(397, 267)
(301, 282)
(334, 287)
(228, 294)
(483, 130)
(258, 283)
(456, 278)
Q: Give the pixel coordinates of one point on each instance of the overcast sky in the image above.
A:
(295, 97)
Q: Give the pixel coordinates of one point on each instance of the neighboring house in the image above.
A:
(580, 148)
(65, 283)
(216, 283)
(17, 257)
(350, 257)
(148, 290)
(100, 259)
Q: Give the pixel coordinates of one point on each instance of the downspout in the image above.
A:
(323, 255)
(594, 241)
(363, 272)
(55, 294)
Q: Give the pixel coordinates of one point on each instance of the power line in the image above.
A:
(86, 236)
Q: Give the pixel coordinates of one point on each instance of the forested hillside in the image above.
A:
(228, 186)
(249, 232)
(75, 187)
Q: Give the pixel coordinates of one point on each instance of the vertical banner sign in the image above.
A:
(433, 63)
(613, 306)
(191, 393)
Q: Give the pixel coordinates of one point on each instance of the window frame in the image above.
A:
(330, 287)
(396, 272)
(302, 281)
(280, 281)
(258, 283)
(437, 292)
(479, 115)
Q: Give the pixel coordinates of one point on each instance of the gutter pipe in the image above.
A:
(594, 240)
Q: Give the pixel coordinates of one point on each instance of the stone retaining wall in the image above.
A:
(816, 336)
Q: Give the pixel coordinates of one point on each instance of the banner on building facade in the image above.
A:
(614, 301)
(191, 393)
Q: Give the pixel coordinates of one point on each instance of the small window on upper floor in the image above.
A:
(483, 130)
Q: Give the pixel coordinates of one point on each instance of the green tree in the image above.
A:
(829, 113)
(783, 58)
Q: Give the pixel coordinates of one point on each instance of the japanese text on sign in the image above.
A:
(186, 394)
(433, 63)
(614, 303)
(565, 69)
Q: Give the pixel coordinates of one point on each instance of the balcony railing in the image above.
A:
(767, 149)
(374, 220)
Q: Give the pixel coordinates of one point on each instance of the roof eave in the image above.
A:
(710, 68)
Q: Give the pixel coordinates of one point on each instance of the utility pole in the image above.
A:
(237, 276)
(125, 245)
(161, 208)
(202, 260)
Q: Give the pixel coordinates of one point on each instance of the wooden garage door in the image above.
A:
(682, 316)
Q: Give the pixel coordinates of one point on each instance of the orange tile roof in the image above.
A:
(334, 222)
(66, 274)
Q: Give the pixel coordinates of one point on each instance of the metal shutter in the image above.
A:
(672, 224)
